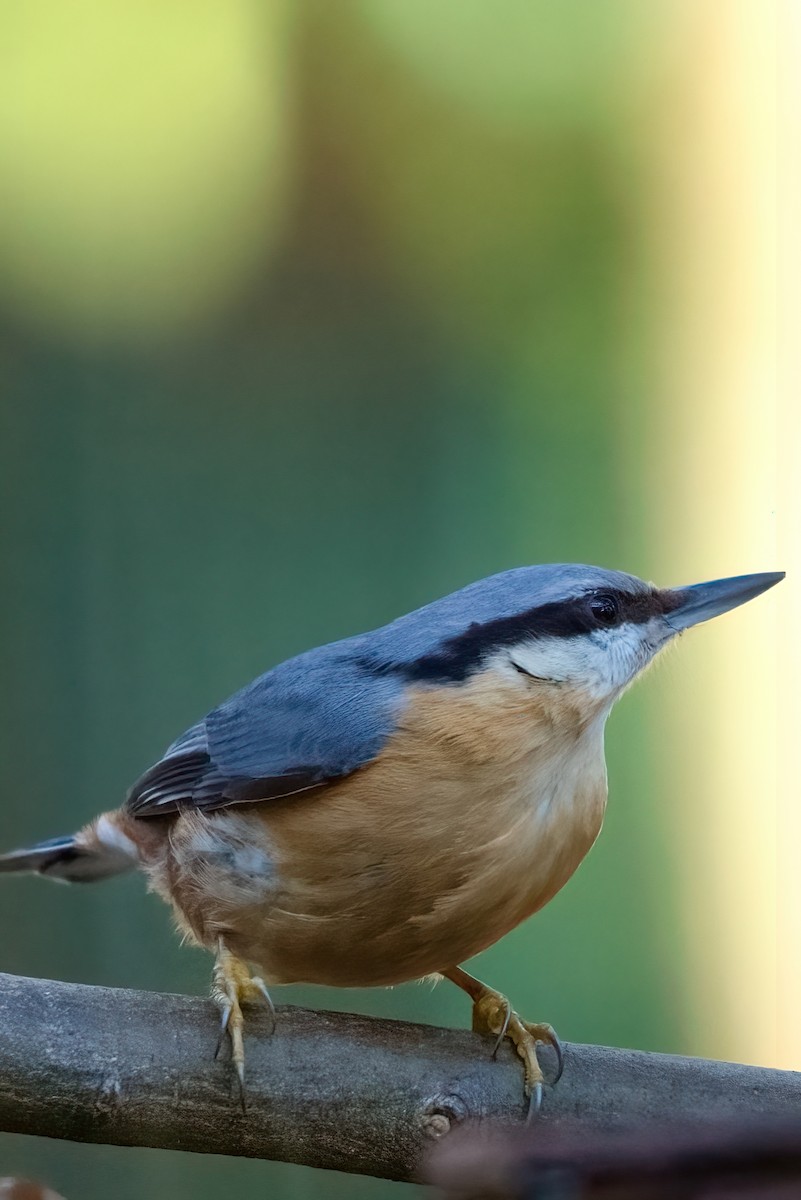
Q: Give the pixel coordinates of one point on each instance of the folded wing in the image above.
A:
(309, 721)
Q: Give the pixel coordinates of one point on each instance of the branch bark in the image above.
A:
(334, 1090)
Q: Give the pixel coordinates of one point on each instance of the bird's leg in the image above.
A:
(233, 985)
(493, 1015)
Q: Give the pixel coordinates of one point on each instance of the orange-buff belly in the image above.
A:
(465, 825)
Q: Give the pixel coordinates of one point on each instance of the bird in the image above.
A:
(383, 808)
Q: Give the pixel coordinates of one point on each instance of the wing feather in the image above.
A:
(309, 721)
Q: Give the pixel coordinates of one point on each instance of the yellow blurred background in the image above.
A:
(310, 312)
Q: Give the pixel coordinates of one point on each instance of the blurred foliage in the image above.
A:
(144, 152)
(310, 313)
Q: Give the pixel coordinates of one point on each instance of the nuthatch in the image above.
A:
(383, 808)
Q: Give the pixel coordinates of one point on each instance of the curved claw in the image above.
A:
(224, 1018)
(552, 1039)
(560, 1059)
(534, 1103)
(259, 983)
(504, 1029)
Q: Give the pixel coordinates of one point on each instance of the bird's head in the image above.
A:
(599, 637)
(565, 626)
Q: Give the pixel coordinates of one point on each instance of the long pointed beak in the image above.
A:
(702, 601)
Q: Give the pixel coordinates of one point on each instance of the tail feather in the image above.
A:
(97, 852)
(40, 856)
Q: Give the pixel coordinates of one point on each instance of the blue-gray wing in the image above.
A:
(309, 721)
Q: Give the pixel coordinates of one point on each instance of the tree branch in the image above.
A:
(328, 1090)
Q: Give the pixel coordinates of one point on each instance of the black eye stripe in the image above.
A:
(460, 656)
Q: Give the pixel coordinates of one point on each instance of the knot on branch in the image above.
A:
(441, 1113)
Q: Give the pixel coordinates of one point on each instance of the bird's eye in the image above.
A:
(605, 609)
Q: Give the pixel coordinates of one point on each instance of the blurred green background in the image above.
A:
(310, 313)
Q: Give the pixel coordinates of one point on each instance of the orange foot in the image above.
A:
(494, 1015)
(233, 985)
